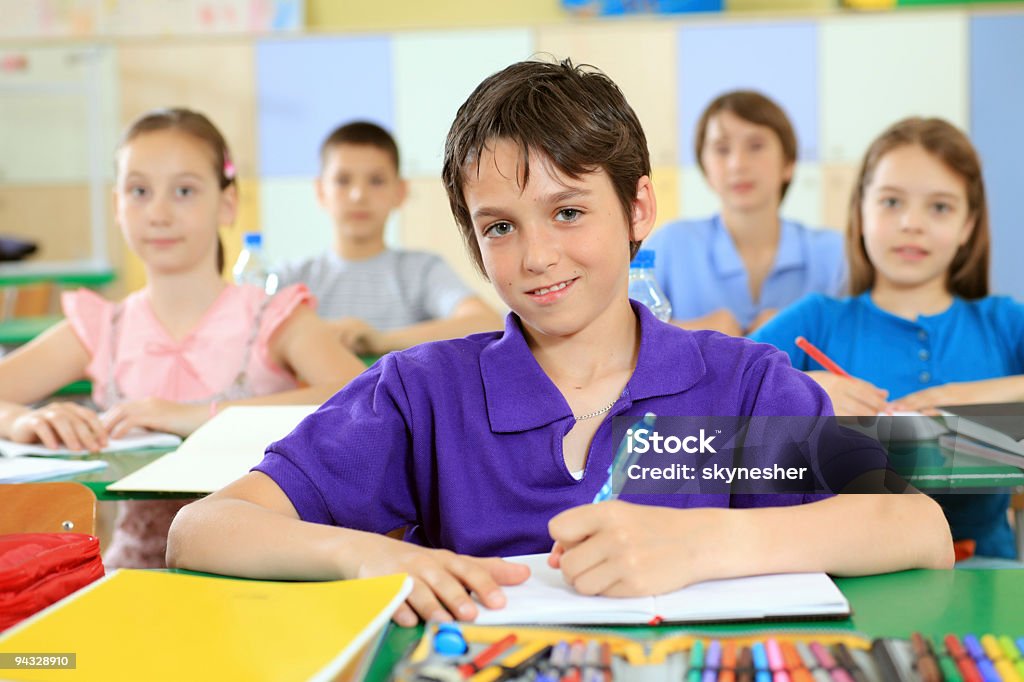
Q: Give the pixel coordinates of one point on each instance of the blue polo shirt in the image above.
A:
(461, 440)
(969, 341)
(700, 270)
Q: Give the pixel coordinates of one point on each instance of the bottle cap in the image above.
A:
(252, 240)
(644, 258)
(449, 640)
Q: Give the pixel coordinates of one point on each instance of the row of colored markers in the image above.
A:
(971, 659)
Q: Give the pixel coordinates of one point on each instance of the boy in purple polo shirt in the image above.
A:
(494, 444)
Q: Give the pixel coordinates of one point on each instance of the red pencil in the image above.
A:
(822, 359)
(484, 658)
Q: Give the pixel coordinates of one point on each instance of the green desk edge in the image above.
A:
(82, 278)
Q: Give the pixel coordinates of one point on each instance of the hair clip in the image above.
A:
(229, 167)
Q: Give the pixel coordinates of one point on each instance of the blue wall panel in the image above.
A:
(997, 128)
(307, 87)
(778, 59)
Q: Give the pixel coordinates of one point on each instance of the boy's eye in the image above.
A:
(377, 181)
(720, 149)
(568, 215)
(498, 229)
(341, 181)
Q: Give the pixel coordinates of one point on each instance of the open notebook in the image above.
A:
(139, 440)
(218, 452)
(26, 469)
(152, 625)
(545, 598)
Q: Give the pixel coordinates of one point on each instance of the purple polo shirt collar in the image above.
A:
(523, 402)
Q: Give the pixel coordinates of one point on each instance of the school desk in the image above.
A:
(933, 603)
(63, 274)
(120, 465)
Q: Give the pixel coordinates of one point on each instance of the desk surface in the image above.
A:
(67, 273)
(934, 603)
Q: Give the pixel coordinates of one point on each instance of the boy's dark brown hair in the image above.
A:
(360, 132)
(752, 107)
(573, 115)
(967, 276)
(197, 126)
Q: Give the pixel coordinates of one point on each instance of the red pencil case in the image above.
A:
(38, 569)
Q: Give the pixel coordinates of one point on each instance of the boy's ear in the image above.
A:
(318, 186)
(403, 191)
(645, 210)
(228, 205)
(788, 170)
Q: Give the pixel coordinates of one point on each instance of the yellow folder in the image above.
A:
(148, 625)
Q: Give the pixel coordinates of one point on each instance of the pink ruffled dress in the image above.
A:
(225, 357)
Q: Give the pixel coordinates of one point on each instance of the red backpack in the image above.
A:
(38, 569)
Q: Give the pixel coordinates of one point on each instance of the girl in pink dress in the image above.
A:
(188, 344)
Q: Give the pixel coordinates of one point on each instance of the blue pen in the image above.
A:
(621, 457)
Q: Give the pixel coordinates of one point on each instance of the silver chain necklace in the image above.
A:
(595, 413)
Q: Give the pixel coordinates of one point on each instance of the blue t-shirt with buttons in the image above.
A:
(700, 270)
(969, 341)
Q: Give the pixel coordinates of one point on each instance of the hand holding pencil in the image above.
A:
(850, 396)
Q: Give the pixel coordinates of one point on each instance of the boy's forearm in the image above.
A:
(848, 535)
(843, 535)
(235, 537)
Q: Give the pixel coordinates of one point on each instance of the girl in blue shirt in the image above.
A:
(732, 272)
(919, 329)
(497, 443)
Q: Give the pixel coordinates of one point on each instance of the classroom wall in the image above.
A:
(276, 96)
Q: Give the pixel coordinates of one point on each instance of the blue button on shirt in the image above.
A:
(700, 270)
(969, 341)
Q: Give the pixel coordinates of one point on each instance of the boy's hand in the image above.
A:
(618, 549)
(357, 335)
(852, 397)
(442, 580)
(157, 415)
(56, 424)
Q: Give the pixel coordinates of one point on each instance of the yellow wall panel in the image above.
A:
(334, 15)
(426, 224)
(56, 217)
(644, 75)
(837, 184)
(666, 189)
(215, 78)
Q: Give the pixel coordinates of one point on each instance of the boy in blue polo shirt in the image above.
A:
(495, 444)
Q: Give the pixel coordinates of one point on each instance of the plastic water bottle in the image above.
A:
(250, 267)
(644, 288)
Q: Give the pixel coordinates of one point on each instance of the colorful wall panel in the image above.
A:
(997, 115)
(308, 86)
